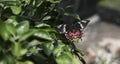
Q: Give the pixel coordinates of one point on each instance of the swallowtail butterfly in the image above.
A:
(73, 31)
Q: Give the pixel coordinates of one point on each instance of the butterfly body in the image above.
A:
(73, 31)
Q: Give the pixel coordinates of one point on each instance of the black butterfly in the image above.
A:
(73, 31)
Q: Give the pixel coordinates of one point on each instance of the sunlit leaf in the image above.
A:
(11, 29)
(16, 48)
(9, 2)
(12, 20)
(16, 9)
(4, 32)
(26, 35)
(24, 62)
(23, 52)
(42, 25)
(48, 48)
(50, 30)
(65, 58)
(59, 49)
(76, 16)
(43, 34)
(54, 1)
(22, 27)
(47, 18)
(34, 43)
(33, 51)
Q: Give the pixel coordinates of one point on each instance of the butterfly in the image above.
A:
(73, 31)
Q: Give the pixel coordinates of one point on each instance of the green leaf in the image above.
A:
(22, 27)
(3, 31)
(27, 1)
(33, 51)
(48, 48)
(7, 29)
(67, 58)
(26, 35)
(50, 30)
(28, 62)
(46, 18)
(76, 16)
(59, 49)
(16, 48)
(25, 62)
(43, 34)
(16, 9)
(11, 29)
(9, 2)
(54, 1)
(12, 20)
(23, 52)
(42, 25)
(34, 43)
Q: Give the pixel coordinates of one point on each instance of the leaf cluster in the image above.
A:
(27, 35)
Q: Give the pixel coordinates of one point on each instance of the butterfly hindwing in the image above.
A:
(83, 23)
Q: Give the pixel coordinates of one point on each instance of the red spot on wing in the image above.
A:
(74, 34)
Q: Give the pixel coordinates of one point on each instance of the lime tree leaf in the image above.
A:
(11, 29)
(59, 49)
(16, 9)
(48, 48)
(42, 25)
(3, 31)
(54, 1)
(50, 30)
(25, 62)
(6, 30)
(33, 51)
(28, 62)
(76, 16)
(27, 1)
(15, 49)
(67, 58)
(43, 34)
(22, 27)
(23, 52)
(12, 20)
(34, 43)
(46, 18)
(9, 2)
(26, 35)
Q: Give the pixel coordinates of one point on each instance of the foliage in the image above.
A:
(27, 35)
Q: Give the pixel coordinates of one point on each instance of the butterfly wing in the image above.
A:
(62, 28)
(83, 23)
(73, 31)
